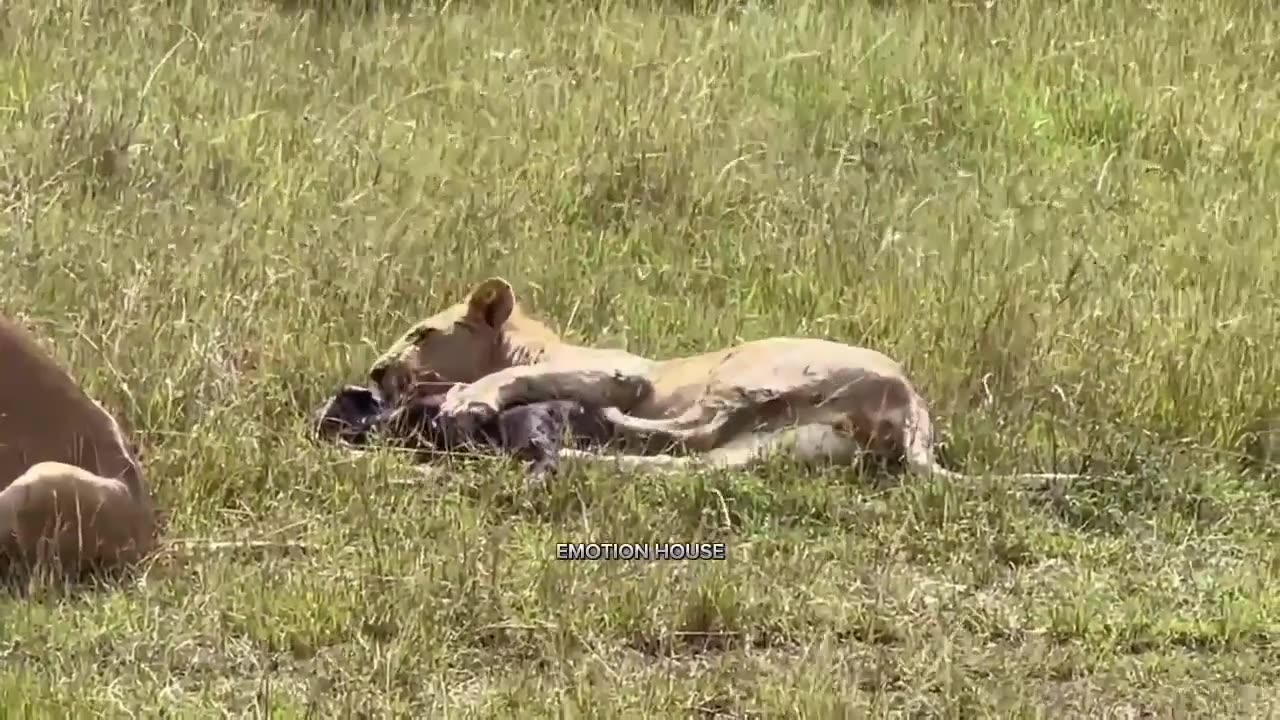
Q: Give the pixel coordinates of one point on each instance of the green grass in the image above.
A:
(1061, 216)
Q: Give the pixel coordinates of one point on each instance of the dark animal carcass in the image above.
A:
(535, 432)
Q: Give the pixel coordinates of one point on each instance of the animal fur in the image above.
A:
(72, 493)
(818, 401)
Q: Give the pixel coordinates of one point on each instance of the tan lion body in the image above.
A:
(71, 490)
(817, 401)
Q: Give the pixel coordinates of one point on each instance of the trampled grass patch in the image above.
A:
(1060, 216)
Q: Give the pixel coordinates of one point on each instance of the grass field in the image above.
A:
(1061, 216)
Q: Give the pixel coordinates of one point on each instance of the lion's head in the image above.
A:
(460, 344)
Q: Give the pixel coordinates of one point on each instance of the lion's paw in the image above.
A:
(466, 413)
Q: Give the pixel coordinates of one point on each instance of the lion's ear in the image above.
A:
(491, 302)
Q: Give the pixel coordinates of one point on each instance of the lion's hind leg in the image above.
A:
(66, 517)
(699, 429)
(811, 444)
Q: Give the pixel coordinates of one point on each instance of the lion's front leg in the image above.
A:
(485, 398)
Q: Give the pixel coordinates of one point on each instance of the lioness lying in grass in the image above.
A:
(816, 400)
(71, 490)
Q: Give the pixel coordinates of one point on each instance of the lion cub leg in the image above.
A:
(68, 517)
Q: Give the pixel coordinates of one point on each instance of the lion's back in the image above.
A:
(46, 417)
